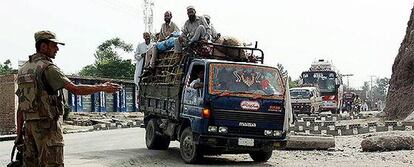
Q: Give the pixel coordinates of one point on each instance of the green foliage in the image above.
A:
(379, 89)
(6, 68)
(108, 63)
(282, 70)
(293, 83)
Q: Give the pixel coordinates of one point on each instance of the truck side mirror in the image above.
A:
(300, 82)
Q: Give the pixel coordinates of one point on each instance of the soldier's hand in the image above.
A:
(18, 140)
(110, 87)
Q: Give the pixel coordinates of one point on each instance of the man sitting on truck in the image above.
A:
(166, 39)
(214, 36)
(195, 29)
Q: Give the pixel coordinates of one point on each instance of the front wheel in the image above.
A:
(260, 156)
(189, 151)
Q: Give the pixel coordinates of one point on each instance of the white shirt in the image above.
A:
(196, 81)
(141, 49)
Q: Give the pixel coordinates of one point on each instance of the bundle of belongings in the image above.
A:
(167, 44)
(225, 48)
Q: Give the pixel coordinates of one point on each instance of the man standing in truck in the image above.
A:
(142, 48)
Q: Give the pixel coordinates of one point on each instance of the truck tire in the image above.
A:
(153, 140)
(189, 150)
(260, 156)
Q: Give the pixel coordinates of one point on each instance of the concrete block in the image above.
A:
(363, 130)
(332, 132)
(316, 123)
(324, 128)
(372, 129)
(300, 124)
(342, 127)
(352, 126)
(309, 119)
(408, 124)
(299, 142)
(317, 132)
(346, 132)
(399, 127)
(329, 123)
(381, 128)
(390, 123)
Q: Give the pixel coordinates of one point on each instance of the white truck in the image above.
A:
(305, 100)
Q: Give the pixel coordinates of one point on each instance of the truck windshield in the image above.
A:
(324, 80)
(300, 94)
(245, 80)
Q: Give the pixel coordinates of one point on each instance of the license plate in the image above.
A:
(246, 142)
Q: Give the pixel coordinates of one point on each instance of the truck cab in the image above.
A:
(305, 100)
(220, 106)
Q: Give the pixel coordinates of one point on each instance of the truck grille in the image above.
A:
(249, 116)
(246, 131)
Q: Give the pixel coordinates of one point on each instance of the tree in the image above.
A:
(6, 68)
(282, 70)
(293, 83)
(108, 63)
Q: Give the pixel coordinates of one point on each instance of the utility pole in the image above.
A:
(371, 92)
(347, 79)
(148, 15)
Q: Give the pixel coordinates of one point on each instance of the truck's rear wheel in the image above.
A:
(153, 140)
(188, 148)
(261, 156)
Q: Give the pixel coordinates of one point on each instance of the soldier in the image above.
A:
(40, 108)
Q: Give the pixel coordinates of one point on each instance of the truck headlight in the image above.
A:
(277, 133)
(222, 129)
(212, 128)
(268, 132)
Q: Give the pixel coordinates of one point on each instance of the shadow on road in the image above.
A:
(170, 157)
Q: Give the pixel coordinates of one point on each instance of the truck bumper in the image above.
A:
(224, 144)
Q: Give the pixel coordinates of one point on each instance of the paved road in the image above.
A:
(126, 148)
(121, 147)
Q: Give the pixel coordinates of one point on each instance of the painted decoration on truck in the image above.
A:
(250, 105)
(245, 80)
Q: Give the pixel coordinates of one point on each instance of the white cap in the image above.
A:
(190, 7)
(206, 16)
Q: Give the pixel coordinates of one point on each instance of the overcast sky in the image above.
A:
(360, 37)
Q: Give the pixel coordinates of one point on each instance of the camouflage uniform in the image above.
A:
(40, 96)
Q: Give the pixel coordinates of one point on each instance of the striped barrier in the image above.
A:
(326, 125)
(309, 125)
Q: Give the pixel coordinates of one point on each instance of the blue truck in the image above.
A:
(239, 105)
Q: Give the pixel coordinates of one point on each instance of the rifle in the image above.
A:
(19, 158)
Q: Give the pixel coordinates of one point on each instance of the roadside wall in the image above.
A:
(8, 103)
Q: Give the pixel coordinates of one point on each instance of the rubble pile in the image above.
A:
(387, 143)
(400, 99)
(93, 118)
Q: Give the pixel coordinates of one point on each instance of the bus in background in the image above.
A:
(322, 74)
